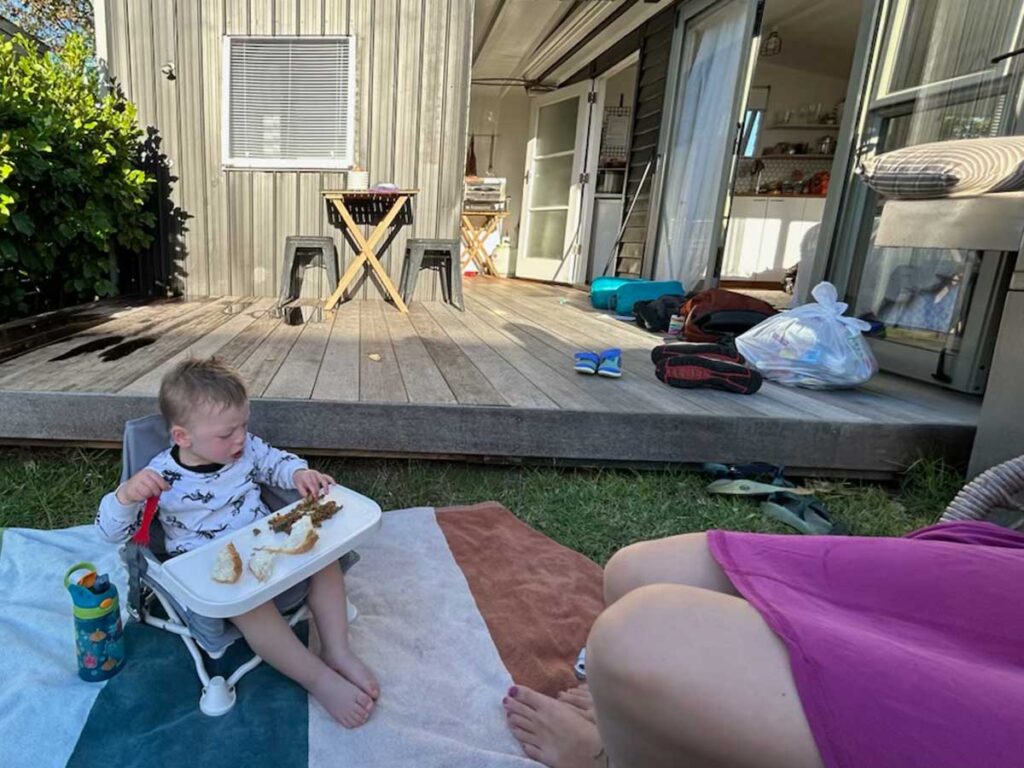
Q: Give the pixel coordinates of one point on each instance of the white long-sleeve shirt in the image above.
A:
(203, 505)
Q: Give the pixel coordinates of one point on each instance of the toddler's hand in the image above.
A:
(309, 482)
(141, 486)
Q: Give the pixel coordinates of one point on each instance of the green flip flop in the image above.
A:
(804, 513)
(729, 487)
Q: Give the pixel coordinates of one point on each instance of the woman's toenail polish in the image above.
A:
(513, 691)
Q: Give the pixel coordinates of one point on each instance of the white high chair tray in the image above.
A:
(188, 577)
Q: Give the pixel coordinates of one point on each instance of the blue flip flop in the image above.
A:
(610, 364)
(586, 362)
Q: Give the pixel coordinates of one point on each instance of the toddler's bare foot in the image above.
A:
(551, 731)
(580, 698)
(351, 667)
(342, 700)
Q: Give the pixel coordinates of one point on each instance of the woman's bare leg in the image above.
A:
(682, 673)
(692, 677)
(683, 559)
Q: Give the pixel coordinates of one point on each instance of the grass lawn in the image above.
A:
(594, 512)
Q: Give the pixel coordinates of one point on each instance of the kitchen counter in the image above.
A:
(777, 194)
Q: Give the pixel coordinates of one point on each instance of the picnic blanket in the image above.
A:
(454, 604)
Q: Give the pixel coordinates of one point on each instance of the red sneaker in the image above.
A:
(721, 351)
(692, 371)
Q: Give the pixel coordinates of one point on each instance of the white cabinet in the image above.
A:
(767, 234)
(802, 234)
(746, 234)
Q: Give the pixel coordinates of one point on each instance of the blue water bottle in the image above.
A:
(99, 637)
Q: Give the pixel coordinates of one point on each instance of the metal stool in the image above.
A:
(439, 255)
(301, 253)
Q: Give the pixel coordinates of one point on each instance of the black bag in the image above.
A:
(654, 315)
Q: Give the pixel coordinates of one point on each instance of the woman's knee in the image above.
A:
(624, 572)
(614, 644)
(684, 560)
(663, 651)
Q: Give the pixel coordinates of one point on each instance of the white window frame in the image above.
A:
(297, 164)
(885, 95)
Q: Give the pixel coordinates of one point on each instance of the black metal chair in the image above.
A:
(442, 256)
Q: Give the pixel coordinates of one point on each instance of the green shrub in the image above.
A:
(73, 192)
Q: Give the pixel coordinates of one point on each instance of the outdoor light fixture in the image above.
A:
(772, 45)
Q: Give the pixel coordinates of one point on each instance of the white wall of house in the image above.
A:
(507, 117)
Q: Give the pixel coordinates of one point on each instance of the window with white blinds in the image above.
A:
(288, 102)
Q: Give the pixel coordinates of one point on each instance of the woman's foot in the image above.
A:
(352, 668)
(580, 698)
(343, 701)
(552, 732)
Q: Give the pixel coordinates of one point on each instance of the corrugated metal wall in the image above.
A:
(412, 98)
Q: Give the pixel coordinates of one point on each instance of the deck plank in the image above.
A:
(28, 333)
(245, 344)
(297, 375)
(517, 390)
(628, 393)
(81, 368)
(246, 312)
(379, 380)
(551, 381)
(466, 381)
(554, 354)
(580, 329)
(175, 337)
(542, 434)
(338, 377)
(771, 400)
(23, 365)
(263, 364)
(509, 388)
(423, 379)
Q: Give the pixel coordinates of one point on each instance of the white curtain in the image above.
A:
(714, 57)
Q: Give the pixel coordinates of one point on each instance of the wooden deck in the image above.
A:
(495, 381)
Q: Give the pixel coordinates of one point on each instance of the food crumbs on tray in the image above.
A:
(317, 511)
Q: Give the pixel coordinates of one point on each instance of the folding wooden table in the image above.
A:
(387, 211)
(474, 237)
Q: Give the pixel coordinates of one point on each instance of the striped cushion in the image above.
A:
(949, 168)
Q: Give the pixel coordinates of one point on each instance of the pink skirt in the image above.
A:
(905, 652)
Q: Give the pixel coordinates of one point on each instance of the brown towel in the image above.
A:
(538, 598)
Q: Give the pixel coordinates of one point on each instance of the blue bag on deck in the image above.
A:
(603, 288)
(630, 293)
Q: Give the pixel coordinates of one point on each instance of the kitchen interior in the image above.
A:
(788, 141)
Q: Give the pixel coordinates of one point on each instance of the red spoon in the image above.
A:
(141, 536)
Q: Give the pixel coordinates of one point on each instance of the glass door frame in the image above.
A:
(846, 228)
(687, 12)
(571, 268)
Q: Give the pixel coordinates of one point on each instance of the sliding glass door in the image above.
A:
(932, 79)
(708, 77)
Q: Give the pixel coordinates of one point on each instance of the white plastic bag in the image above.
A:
(812, 346)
